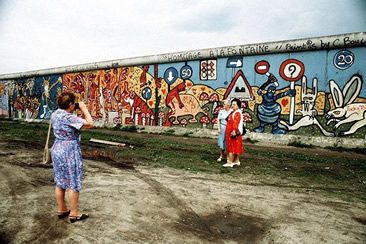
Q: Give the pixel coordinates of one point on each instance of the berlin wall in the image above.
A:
(312, 86)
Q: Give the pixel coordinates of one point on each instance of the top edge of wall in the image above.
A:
(339, 41)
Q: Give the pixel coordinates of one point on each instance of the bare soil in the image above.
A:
(130, 203)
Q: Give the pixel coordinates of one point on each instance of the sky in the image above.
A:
(40, 34)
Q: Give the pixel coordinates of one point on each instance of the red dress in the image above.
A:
(234, 145)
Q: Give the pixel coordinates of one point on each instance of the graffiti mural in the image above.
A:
(317, 91)
(208, 70)
(44, 96)
(102, 91)
(4, 98)
(32, 98)
(125, 95)
(308, 110)
(239, 87)
(269, 110)
(343, 59)
(346, 109)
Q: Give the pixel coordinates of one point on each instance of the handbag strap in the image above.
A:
(48, 133)
(227, 118)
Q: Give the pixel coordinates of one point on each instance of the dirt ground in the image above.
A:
(138, 204)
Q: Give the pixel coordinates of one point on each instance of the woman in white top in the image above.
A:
(221, 127)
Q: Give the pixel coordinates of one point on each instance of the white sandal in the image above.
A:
(236, 163)
(228, 164)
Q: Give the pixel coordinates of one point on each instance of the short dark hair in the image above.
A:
(238, 102)
(65, 99)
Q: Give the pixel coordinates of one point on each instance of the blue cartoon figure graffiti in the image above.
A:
(269, 110)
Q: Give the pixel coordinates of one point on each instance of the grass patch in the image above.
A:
(18, 130)
(250, 140)
(343, 149)
(129, 128)
(313, 169)
(168, 132)
(187, 134)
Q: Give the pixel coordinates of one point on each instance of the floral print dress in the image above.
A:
(65, 152)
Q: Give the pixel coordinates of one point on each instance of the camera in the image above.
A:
(77, 106)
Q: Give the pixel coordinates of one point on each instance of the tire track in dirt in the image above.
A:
(14, 187)
(9, 226)
(21, 180)
(187, 214)
(217, 226)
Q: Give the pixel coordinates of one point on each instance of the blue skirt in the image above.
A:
(221, 142)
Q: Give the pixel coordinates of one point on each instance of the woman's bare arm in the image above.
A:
(88, 123)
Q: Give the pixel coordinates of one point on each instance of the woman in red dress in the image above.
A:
(234, 139)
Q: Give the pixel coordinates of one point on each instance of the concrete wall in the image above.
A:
(302, 87)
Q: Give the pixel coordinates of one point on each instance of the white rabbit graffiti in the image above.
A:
(345, 110)
(308, 111)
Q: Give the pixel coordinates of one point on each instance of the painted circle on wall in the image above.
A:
(262, 67)
(343, 59)
(170, 75)
(146, 93)
(186, 72)
(292, 70)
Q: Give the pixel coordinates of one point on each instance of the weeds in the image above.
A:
(168, 132)
(343, 149)
(187, 134)
(251, 141)
(129, 128)
(300, 144)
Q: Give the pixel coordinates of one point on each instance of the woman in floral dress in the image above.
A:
(234, 139)
(66, 154)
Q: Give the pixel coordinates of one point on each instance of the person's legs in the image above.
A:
(221, 155)
(60, 199)
(74, 200)
(230, 158)
(236, 159)
(75, 214)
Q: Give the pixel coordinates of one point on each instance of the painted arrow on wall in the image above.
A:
(236, 62)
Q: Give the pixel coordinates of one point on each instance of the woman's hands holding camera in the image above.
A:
(85, 114)
(82, 106)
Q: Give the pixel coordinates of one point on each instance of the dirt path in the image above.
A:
(163, 205)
